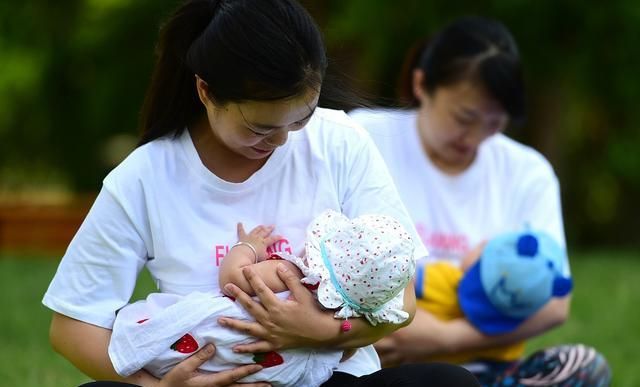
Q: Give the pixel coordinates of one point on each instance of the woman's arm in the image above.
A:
(427, 336)
(299, 322)
(362, 333)
(463, 336)
(86, 347)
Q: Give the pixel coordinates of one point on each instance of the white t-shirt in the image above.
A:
(163, 209)
(508, 186)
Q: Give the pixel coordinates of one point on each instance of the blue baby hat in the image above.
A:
(516, 275)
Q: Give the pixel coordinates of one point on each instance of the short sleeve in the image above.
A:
(366, 187)
(540, 205)
(98, 272)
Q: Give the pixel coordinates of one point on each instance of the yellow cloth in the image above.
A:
(440, 297)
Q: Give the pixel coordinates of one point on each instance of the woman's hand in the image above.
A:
(186, 373)
(292, 323)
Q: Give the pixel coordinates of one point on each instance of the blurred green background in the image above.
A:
(73, 74)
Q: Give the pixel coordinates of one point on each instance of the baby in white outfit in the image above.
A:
(357, 267)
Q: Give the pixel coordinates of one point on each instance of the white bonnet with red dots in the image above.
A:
(361, 265)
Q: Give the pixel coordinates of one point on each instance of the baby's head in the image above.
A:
(515, 276)
(362, 265)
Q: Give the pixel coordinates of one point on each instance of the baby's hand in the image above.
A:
(260, 238)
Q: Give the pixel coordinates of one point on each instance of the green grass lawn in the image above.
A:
(604, 314)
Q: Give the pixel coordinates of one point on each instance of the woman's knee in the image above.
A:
(562, 365)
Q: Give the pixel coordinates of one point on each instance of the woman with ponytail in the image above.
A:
(235, 128)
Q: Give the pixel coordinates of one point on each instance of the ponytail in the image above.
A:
(172, 102)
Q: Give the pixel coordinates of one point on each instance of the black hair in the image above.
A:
(473, 48)
(245, 50)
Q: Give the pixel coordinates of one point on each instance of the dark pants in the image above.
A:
(408, 375)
